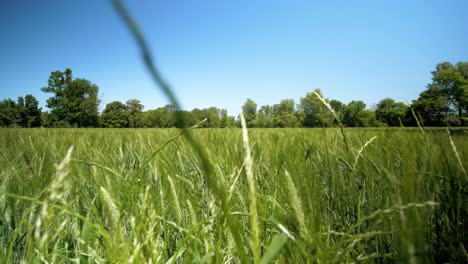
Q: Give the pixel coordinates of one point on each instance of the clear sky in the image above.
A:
(219, 52)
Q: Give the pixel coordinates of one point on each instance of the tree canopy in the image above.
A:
(75, 103)
(250, 112)
(445, 101)
(23, 113)
(390, 112)
(115, 115)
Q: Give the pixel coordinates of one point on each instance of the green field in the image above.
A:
(143, 196)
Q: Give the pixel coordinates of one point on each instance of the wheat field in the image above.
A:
(272, 196)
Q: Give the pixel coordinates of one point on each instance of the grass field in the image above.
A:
(304, 196)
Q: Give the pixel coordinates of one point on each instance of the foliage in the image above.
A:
(390, 112)
(213, 117)
(250, 112)
(135, 111)
(225, 121)
(159, 117)
(356, 115)
(74, 102)
(262, 121)
(446, 95)
(268, 114)
(25, 113)
(30, 111)
(338, 107)
(432, 107)
(9, 113)
(115, 115)
(285, 114)
(312, 109)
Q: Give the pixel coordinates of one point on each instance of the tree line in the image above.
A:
(75, 103)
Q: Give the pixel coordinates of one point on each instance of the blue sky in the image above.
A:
(219, 52)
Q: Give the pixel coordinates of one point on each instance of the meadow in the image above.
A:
(317, 195)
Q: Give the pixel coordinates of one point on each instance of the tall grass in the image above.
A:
(93, 195)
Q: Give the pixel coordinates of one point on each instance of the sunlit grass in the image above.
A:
(95, 195)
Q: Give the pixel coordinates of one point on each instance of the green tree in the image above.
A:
(338, 107)
(231, 121)
(390, 112)
(115, 115)
(463, 92)
(29, 111)
(366, 118)
(452, 82)
(75, 102)
(200, 115)
(188, 118)
(45, 119)
(286, 120)
(9, 114)
(285, 106)
(169, 115)
(58, 83)
(83, 103)
(431, 107)
(261, 120)
(313, 110)
(213, 115)
(250, 112)
(285, 114)
(148, 118)
(351, 112)
(356, 115)
(224, 122)
(160, 117)
(22, 113)
(269, 114)
(135, 111)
